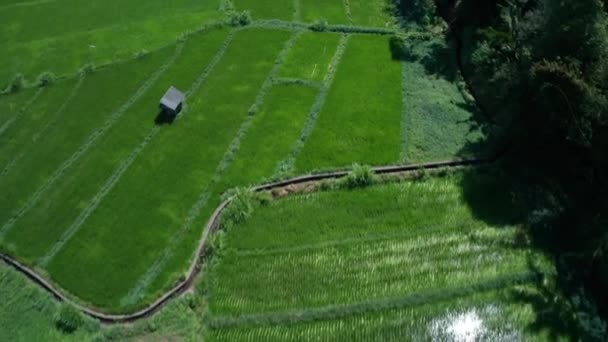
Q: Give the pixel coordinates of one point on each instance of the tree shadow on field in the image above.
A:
(508, 193)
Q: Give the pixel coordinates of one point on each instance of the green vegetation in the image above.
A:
(331, 10)
(62, 205)
(44, 112)
(366, 128)
(267, 9)
(376, 13)
(440, 119)
(311, 56)
(273, 131)
(62, 36)
(59, 148)
(107, 198)
(176, 174)
(391, 261)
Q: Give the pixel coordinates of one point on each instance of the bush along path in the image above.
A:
(212, 225)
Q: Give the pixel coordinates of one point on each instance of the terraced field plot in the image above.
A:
(62, 36)
(109, 204)
(390, 262)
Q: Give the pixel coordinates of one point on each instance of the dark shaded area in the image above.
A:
(537, 70)
(164, 118)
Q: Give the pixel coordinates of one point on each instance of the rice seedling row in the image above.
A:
(11, 104)
(65, 144)
(52, 34)
(6, 125)
(311, 57)
(330, 10)
(357, 272)
(367, 129)
(18, 145)
(286, 166)
(213, 119)
(422, 322)
(203, 198)
(73, 195)
(267, 9)
(85, 146)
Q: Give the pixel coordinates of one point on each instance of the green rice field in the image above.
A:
(107, 201)
(409, 261)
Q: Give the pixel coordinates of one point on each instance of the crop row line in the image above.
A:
(96, 200)
(342, 311)
(20, 112)
(348, 11)
(48, 124)
(287, 166)
(124, 166)
(224, 164)
(349, 241)
(88, 143)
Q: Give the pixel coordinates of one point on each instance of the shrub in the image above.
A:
(16, 84)
(239, 18)
(319, 25)
(241, 206)
(68, 319)
(46, 78)
(360, 176)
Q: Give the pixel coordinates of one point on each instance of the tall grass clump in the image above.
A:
(243, 203)
(17, 83)
(46, 78)
(237, 19)
(68, 319)
(360, 176)
(320, 25)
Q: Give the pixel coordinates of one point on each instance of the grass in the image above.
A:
(29, 315)
(62, 205)
(366, 130)
(273, 130)
(109, 204)
(440, 119)
(61, 36)
(99, 98)
(44, 112)
(331, 10)
(389, 262)
(12, 104)
(267, 9)
(180, 174)
(311, 56)
(27, 311)
(376, 13)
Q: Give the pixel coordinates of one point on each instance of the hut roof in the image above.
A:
(172, 98)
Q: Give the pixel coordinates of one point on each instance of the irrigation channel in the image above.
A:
(212, 224)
